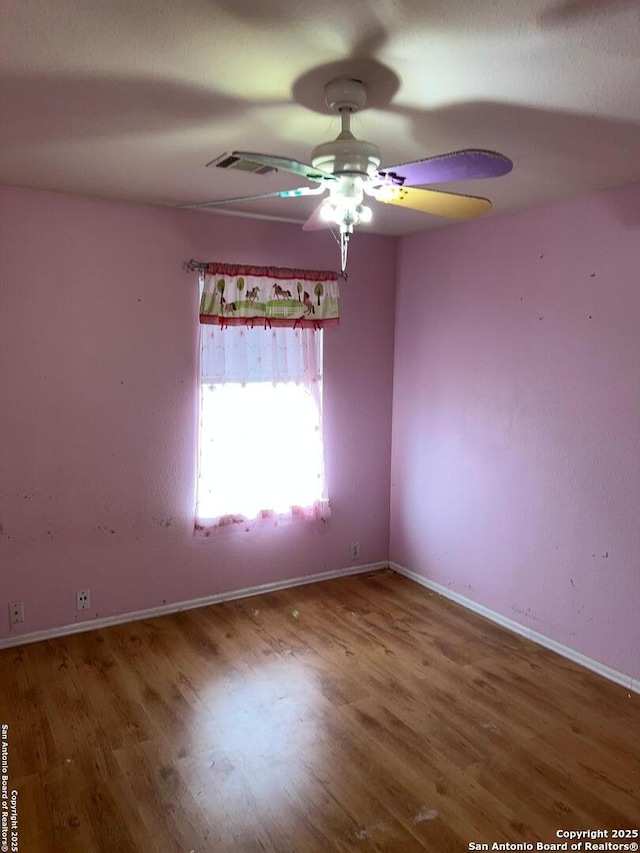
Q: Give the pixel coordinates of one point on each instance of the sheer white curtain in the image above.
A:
(261, 449)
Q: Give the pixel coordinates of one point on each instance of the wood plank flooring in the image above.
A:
(363, 713)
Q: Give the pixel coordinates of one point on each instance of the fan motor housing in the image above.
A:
(346, 155)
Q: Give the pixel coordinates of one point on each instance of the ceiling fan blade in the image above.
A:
(456, 166)
(283, 164)
(281, 194)
(449, 205)
(315, 222)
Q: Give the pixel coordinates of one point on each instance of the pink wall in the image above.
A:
(516, 464)
(98, 346)
(516, 429)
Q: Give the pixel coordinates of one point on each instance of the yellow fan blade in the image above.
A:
(449, 205)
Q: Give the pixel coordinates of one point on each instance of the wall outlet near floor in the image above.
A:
(355, 550)
(83, 599)
(16, 612)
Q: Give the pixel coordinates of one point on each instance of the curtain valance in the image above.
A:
(234, 295)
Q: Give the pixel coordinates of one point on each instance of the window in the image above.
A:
(260, 444)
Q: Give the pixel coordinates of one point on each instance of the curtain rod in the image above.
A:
(194, 266)
(200, 266)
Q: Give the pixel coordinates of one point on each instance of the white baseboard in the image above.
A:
(162, 610)
(566, 652)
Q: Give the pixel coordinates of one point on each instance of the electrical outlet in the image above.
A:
(83, 599)
(355, 550)
(16, 612)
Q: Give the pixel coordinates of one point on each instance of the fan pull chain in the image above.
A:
(344, 248)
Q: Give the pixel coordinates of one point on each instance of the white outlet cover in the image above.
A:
(83, 599)
(16, 612)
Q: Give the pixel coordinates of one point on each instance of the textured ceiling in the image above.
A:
(129, 100)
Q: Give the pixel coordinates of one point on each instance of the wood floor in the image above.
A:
(358, 714)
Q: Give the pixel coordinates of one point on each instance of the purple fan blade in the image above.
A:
(457, 166)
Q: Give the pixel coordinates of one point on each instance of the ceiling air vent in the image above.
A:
(230, 161)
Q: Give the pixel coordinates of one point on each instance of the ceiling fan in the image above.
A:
(349, 169)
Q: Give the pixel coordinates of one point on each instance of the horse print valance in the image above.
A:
(235, 295)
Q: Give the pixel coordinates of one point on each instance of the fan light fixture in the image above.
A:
(345, 204)
(349, 168)
(346, 213)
